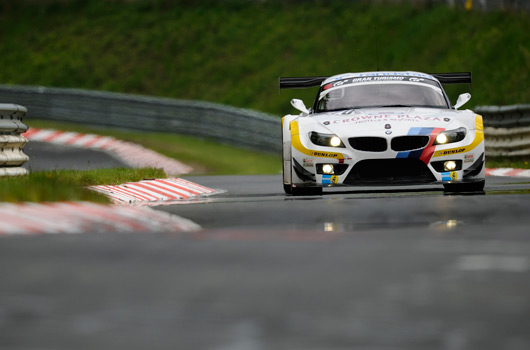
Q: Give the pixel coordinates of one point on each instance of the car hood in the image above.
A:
(376, 121)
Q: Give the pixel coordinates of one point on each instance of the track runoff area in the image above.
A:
(366, 268)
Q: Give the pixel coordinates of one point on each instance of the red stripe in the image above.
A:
(172, 184)
(162, 188)
(53, 136)
(74, 138)
(93, 141)
(30, 132)
(102, 212)
(21, 221)
(194, 184)
(107, 144)
(156, 191)
(135, 194)
(140, 191)
(427, 153)
(113, 193)
(514, 172)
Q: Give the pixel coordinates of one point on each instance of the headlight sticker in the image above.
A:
(479, 138)
(297, 144)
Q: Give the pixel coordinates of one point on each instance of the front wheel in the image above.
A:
(287, 189)
(458, 187)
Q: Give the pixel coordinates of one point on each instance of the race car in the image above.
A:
(382, 128)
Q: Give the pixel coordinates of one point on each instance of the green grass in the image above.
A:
(233, 51)
(205, 156)
(68, 185)
(511, 162)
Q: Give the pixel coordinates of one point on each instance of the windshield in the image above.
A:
(380, 95)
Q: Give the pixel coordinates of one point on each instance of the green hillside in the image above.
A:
(233, 51)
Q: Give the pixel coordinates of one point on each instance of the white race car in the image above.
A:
(382, 128)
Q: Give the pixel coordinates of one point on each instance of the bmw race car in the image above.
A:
(382, 128)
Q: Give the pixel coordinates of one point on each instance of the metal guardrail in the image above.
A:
(506, 129)
(236, 126)
(11, 142)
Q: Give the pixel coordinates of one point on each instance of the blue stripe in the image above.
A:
(415, 131)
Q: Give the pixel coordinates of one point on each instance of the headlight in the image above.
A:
(327, 140)
(450, 136)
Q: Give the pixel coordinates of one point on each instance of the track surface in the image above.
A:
(366, 269)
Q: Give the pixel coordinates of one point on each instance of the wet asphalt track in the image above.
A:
(400, 268)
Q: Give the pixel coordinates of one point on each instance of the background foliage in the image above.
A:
(233, 51)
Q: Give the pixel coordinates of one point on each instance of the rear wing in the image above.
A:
(305, 82)
(453, 78)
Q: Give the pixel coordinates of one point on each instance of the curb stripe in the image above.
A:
(80, 217)
(152, 192)
(130, 153)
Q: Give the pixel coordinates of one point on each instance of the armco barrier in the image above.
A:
(241, 127)
(507, 129)
(11, 142)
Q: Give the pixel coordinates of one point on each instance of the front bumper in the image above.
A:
(353, 167)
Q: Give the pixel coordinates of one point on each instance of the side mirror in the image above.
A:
(299, 105)
(462, 100)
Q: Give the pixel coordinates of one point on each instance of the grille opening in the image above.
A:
(387, 171)
(368, 144)
(409, 143)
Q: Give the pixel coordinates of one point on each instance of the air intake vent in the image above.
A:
(368, 144)
(409, 143)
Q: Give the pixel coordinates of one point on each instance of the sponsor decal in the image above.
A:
(408, 74)
(323, 154)
(326, 123)
(330, 179)
(379, 118)
(381, 77)
(388, 126)
(469, 158)
(450, 176)
(450, 151)
(447, 120)
(307, 162)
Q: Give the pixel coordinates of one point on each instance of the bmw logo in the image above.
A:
(388, 132)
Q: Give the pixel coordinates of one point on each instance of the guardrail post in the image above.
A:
(11, 142)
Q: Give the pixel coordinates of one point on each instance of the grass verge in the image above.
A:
(69, 185)
(504, 162)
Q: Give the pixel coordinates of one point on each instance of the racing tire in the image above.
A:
(306, 191)
(477, 186)
(287, 189)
